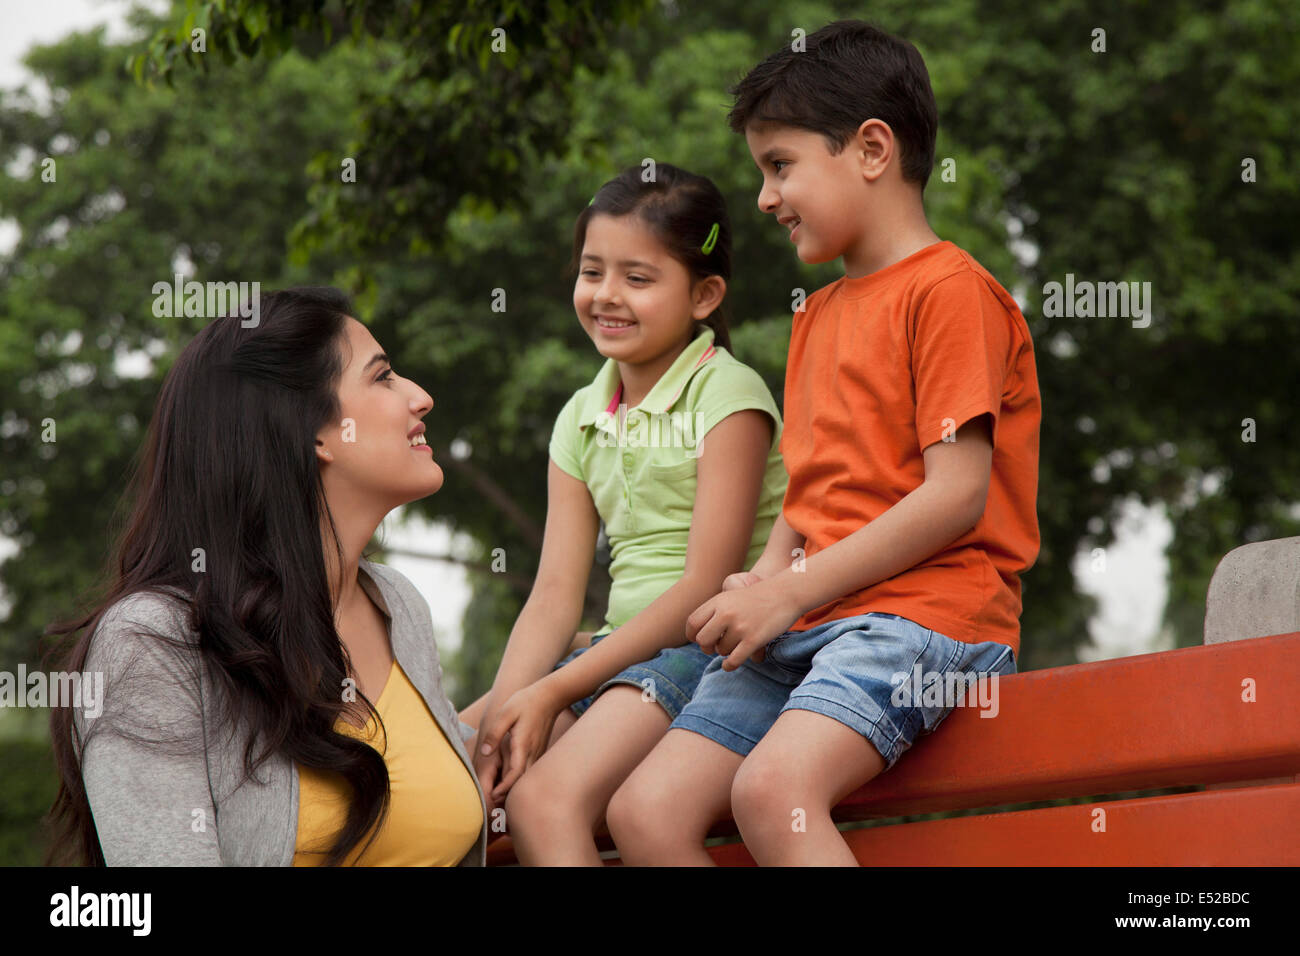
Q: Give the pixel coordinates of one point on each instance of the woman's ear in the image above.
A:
(322, 452)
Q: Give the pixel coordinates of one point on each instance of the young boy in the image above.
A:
(911, 441)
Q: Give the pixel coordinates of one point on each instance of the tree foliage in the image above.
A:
(472, 166)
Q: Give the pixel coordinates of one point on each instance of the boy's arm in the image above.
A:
(946, 505)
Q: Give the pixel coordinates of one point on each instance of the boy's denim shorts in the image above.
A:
(671, 676)
(857, 670)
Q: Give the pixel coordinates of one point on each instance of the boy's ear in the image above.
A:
(875, 144)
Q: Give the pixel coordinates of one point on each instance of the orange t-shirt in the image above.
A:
(881, 367)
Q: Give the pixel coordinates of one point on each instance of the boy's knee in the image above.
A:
(637, 818)
(759, 794)
(623, 812)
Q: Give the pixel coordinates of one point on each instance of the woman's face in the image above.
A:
(376, 452)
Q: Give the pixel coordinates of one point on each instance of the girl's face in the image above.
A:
(635, 300)
(376, 453)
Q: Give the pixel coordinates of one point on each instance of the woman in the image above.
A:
(249, 651)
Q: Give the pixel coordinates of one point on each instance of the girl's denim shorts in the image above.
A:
(880, 674)
(670, 677)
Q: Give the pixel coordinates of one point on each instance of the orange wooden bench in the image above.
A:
(1173, 719)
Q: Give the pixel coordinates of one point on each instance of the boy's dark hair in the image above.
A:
(848, 72)
(680, 208)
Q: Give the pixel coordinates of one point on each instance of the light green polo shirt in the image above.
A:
(640, 464)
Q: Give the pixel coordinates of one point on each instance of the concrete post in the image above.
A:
(1255, 592)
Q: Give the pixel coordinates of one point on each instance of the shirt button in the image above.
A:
(627, 459)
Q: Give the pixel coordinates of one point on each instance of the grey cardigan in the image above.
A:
(166, 785)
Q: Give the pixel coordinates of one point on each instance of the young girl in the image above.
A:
(674, 447)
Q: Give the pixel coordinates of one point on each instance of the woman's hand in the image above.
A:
(527, 716)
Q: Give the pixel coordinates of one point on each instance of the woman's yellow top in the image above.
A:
(434, 815)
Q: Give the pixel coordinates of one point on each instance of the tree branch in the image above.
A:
(494, 493)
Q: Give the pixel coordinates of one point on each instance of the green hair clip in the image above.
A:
(710, 242)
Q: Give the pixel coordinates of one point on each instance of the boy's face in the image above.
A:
(820, 199)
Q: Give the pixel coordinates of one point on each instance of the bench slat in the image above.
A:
(1247, 826)
(1171, 718)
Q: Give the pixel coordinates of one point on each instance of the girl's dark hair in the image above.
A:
(847, 73)
(229, 465)
(680, 208)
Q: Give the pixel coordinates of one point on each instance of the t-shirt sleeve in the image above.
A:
(960, 352)
(565, 440)
(730, 389)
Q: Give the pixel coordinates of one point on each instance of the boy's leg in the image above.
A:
(663, 812)
(851, 717)
(553, 809)
(662, 815)
(783, 794)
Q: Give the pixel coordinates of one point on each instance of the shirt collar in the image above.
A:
(606, 389)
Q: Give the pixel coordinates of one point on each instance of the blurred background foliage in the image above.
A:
(472, 166)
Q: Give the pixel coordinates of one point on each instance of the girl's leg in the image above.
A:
(554, 808)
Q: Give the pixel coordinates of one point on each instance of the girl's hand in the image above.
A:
(487, 767)
(528, 716)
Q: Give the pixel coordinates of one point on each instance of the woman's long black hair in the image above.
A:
(230, 466)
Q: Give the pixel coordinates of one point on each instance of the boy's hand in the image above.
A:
(741, 621)
(743, 579)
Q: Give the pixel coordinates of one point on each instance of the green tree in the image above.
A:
(1125, 164)
(139, 182)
